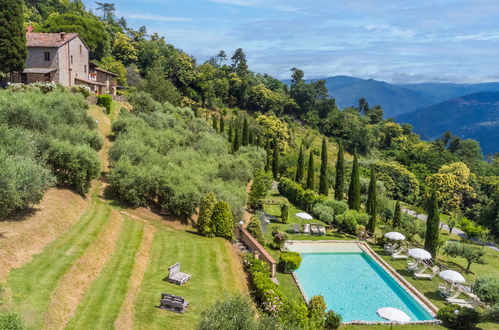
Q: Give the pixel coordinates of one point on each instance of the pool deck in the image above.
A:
(360, 246)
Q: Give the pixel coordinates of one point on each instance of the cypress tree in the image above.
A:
(432, 225)
(204, 226)
(397, 215)
(310, 172)
(236, 144)
(222, 124)
(215, 123)
(275, 159)
(269, 158)
(230, 133)
(250, 139)
(323, 187)
(245, 132)
(372, 203)
(354, 188)
(340, 174)
(300, 165)
(223, 221)
(258, 140)
(13, 50)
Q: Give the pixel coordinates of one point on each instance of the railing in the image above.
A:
(245, 237)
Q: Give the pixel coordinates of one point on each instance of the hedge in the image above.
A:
(289, 262)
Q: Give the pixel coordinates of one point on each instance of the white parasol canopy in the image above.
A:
(419, 254)
(452, 276)
(395, 236)
(304, 216)
(393, 314)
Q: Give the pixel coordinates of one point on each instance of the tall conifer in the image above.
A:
(432, 225)
(300, 165)
(13, 50)
(397, 215)
(340, 174)
(323, 181)
(236, 142)
(275, 159)
(215, 123)
(268, 163)
(245, 140)
(230, 133)
(354, 188)
(222, 124)
(310, 171)
(372, 203)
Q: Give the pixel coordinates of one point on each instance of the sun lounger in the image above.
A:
(390, 248)
(444, 290)
(425, 276)
(173, 303)
(306, 229)
(176, 276)
(296, 228)
(322, 230)
(314, 229)
(462, 302)
(412, 266)
(400, 254)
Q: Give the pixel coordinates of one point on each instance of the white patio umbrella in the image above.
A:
(419, 254)
(452, 276)
(395, 236)
(393, 315)
(304, 216)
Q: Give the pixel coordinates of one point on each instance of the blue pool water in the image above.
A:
(355, 286)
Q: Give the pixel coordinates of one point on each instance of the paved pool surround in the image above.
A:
(355, 282)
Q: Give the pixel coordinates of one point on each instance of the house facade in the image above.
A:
(63, 58)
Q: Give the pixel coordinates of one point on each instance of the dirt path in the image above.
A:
(76, 281)
(125, 319)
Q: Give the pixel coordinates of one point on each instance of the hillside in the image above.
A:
(398, 99)
(473, 116)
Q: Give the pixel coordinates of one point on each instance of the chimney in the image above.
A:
(62, 35)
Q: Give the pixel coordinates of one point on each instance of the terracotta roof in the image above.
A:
(48, 39)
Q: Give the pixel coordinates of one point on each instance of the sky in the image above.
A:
(399, 41)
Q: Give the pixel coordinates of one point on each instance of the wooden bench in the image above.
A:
(176, 276)
(173, 303)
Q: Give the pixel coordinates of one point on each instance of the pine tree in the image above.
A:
(245, 132)
(372, 203)
(222, 124)
(310, 171)
(13, 51)
(204, 225)
(223, 221)
(354, 188)
(269, 157)
(397, 215)
(236, 143)
(432, 225)
(340, 174)
(300, 165)
(275, 159)
(215, 123)
(323, 184)
(230, 133)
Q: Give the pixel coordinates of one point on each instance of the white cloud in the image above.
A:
(160, 18)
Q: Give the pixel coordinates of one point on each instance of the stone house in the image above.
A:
(63, 58)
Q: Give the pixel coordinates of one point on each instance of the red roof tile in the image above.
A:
(48, 39)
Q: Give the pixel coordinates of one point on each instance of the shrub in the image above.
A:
(105, 100)
(294, 192)
(285, 213)
(255, 229)
(317, 311)
(492, 312)
(456, 317)
(232, 313)
(333, 320)
(223, 221)
(487, 289)
(81, 89)
(329, 209)
(11, 321)
(351, 220)
(279, 238)
(259, 188)
(289, 262)
(205, 214)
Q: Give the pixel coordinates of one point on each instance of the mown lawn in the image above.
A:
(33, 284)
(101, 304)
(208, 260)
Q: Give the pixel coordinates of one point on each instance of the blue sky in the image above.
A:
(392, 40)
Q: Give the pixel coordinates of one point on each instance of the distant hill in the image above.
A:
(398, 99)
(473, 116)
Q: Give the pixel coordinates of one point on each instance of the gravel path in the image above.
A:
(444, 226)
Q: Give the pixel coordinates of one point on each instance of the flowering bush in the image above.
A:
(81, 89)
(44, 87)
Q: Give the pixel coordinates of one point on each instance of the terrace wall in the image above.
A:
(245, 237)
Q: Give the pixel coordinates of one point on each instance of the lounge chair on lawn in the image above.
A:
(296, 228)
(461, 302)
(400, 254)
(173, 303)
(444, 290)
(314, 229)
(412, 266)
(306, 229)
(176, 276)
(425, 276)
(390, 248)
(322, 231)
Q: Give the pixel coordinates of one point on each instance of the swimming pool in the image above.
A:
(354, 285)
